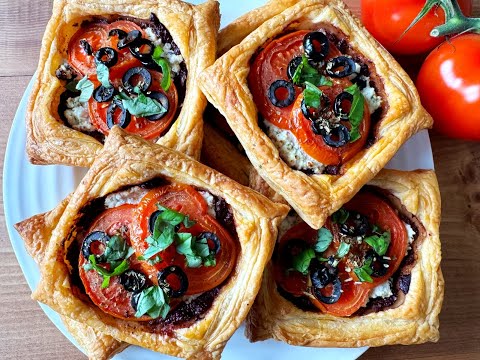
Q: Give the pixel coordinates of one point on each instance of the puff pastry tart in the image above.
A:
(131, 63)
(158, 250)
(317, 104)
(370, 276)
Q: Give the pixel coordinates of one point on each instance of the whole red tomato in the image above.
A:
(449, 86)
(387, 20)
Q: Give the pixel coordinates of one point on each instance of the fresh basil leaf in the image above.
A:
(356, 111)
(184, 244)
(121, 96)
(201, 248)
(196, 250)
(154, 302)
(193, 261)
(72, 86)
(142, 106)
(301, 262)
(362, 275)
(322, 259)
(163, 241)
(165, 66)
(343, 250)
(103, 75)
(324, 239)
(170, 216)
(188, 223)
(210, 260)
(116, 249)
(340, 216)
(86, 87)
(307, 73)
(312, 95)
(379, 243)
(118, 270)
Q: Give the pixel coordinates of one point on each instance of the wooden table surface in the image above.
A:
(25, 331)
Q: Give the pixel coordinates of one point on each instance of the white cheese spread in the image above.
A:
(411, 233)
(173, 59)
(373, 100)
(132, 196)
(77, 115)
(290, 150)
(290, 221)
(383, 290)
(210, 202)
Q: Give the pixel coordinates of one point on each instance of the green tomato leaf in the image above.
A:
(324, 239)
(103, 75)
(86, 88)
(356, 111)
(379, 243)
(301, 262)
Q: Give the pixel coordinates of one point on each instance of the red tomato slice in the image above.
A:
(354, 295)
(114, 299)
(270, 65)
(143, 127)
(96, 35)
(187, 200)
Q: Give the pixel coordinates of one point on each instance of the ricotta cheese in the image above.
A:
(77, 115)
(290, 150)
(411, 233)
(173, 59)
(210, 202)
(132, 196)
(383, 290)
(373, 100)
(290, 221)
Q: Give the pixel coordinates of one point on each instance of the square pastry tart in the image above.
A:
(131, 63)
(369, 277)
(154, 249)
(318, 105)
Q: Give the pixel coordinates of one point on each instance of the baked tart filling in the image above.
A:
(122, 71)
(318, 98)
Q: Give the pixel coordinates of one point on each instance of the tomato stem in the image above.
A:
(455, 21)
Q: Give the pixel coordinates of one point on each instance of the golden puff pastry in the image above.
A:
(36, 233)
(192, 27)
(128, 160)
(412, 319)
(314, 197)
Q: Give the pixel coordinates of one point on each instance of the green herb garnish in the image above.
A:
(141, 105)
(340, 216)
(301, 262)
(118, 270)
(312, 95)
(103, 75)
(324, 239)
(343, 250)
(379, 243)
(363, 273)
(356, 111)
(86, 88)
(307, 73)
(165, 66)
(153, 301)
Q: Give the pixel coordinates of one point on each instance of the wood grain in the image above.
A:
(26, 332)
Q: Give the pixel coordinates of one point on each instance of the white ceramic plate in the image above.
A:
(30, 189)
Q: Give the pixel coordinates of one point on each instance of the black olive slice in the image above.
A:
(118, 32)
(313, 114)
(143, 84)
(124, 118)
(338, 105)
(337, 137)
(103, 94)
(316, 46)
(129, 40)
(292, 66)
(163, 100)
(107, 56)
(94, 236)
(143, 49)
(182, 277)
(86, 47)
(378, 264)
(356, 225)
(340, 67)
(133, 280)
(211, 237)
(321, 277)
(284, 101)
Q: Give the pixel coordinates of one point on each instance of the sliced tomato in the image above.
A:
(96, 34)
(141, 126)
(186, 200)
(114, 299)
(354, 294)
(270, 65)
